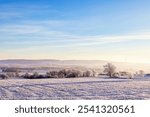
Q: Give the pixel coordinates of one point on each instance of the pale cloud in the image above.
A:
(37, 33)
(140, 36)
(24, 11)
(8, 15)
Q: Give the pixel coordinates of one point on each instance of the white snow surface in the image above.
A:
(75, 89)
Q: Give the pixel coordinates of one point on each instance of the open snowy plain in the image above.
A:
(75, 88)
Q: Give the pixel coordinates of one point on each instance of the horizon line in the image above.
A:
(76, 60)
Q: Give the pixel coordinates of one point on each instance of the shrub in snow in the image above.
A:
(4, 76)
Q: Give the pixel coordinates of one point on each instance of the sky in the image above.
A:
(115, 30)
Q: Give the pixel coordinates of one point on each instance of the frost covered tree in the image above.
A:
(109, 69)
(141, 73)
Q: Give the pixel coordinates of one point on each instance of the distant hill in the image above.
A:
(72, 63)
(46, 63)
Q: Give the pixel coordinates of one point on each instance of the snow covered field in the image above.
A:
(75, 88)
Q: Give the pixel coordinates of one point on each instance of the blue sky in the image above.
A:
(116, 30)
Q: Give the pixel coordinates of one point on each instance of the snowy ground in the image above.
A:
(75, 88)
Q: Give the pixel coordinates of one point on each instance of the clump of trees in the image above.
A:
(110, 70)
(9, 73)
(71, 73)
(35, 75)
(63, 73)
(4, 76)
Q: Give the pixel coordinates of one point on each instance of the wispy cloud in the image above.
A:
(25, 11)
(98, 30)
(43, 34)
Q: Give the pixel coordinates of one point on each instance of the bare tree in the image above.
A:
(109, 69)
